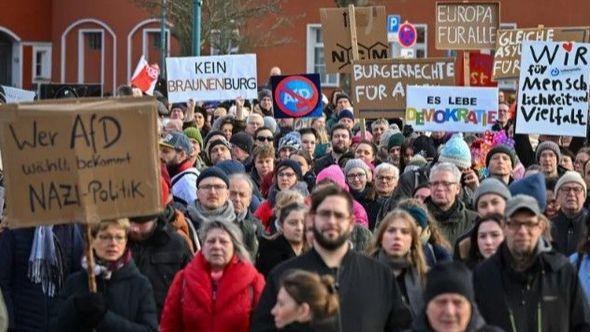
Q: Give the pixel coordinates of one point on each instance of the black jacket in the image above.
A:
(567, 232)
(160, 257)
(550, 282)
(369, 297)
(272, 252)
(129, 298)
(323, 162)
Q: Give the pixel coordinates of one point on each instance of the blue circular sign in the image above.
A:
(296, 96)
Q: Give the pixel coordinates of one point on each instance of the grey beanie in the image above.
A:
(491, 186)
(271, 124)
(548, 145)
(356, 163)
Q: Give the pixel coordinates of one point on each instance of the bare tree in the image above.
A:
(226, 25)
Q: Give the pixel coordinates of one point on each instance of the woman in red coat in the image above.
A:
(218, 290)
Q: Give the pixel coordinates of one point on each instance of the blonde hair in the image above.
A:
(416, 254)
(122, 223)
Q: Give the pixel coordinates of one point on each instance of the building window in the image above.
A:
(94, 40)
(226, 45)
(156, 40)
(419, 50)
(41, 63)
(315, 56)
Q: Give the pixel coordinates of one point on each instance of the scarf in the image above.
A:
(225, 212)
(445, 216)
(397, 263)
(45, 267)
(105, 269)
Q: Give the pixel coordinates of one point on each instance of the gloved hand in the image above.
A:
(91, 308)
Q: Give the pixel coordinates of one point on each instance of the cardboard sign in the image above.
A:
(371, 33)
(15, 95)
(508, 46)
(480, 69)
(80, 160)
(379, 86)
(207, 78)
(452, 108)
(553, 88)
(466, 26)
(297, 96)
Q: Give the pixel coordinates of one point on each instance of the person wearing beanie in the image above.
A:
(527, 285)
(288, 144)
(196, 140)
(176, 150)
(241, 147)
(378, 127)
(424, 145)
(548, 156)
(231, 167)
(218, 151)
(264, 136)
(450, 301)
(342, 102)
(500, 161)
(341, 139)
(569, 225)
(264, 106)
(271, 124)
(532, 185)
(178, 111)
(358, 176)
(346, 117)
(394, 146)
(457, 152)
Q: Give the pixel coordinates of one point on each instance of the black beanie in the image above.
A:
(213, 172)
(288, 163)
(243, 141)
(449, 277)
(501, 148)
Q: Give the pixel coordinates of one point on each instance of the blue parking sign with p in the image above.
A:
(393, 22)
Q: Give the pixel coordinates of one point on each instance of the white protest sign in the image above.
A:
(208, 78)
(15, 95)
(553, 88)
(451, 108)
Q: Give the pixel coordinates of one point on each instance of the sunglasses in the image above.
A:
(264, 138)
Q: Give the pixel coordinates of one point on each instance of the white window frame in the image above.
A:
(145, 41)
(395, 48)
(81, 43)
(214, 50)
(45, 64)
(310, 55)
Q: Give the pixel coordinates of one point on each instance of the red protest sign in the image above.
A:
(480, 69)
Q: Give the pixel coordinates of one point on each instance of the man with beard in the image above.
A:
(369, 297)
(526, 285)
(341, 140)
(158, 251)
(175, 151)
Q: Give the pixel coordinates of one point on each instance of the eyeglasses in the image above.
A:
(444, 184)
(575, 190)
(326, 214)
(356, 175)
(515, 226)
(264, 138)
(210, 187)
(286, 175)
(385, 178)
(108, 238)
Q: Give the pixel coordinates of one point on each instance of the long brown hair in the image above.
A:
(416, 254)
(319, 292)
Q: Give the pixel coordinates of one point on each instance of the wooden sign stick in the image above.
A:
(90, 260)
(355, 54)
(466, 69)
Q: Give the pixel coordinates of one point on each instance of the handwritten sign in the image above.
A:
(480, 69)
(379, 86)
(553, 88)
(451, 108)
(214, 78)
(466, 26)
(508, 46)
(371, 33)
(80, 161)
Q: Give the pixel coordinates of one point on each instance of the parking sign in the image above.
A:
(393, 22)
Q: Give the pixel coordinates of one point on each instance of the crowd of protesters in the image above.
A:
(309, 225)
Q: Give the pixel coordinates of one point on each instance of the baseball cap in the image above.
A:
(177, 141)
(520, 202)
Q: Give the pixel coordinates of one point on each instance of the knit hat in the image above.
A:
(345, 113)
(501, 148)
(417, 160)
(231, 167)
(358, 137)
(491, 186)
(213, 172)
(182, 106)
(264, 93)
(357, 163)
(270, 123)
(520, 202)
(216, 142)
(333, 173)
(211, 134)
(448, 277)
(571, 176)
(291, 140)
(395, 140)
(418, 213)
(532, 185)
(243, 141)
(177, 141)
(548, 145)
(288, 163)
(194, 133)
(456, 151)
(424, 145)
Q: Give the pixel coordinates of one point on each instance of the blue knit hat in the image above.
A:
(418, 213)
(288, 163)
(231, 167)
(532, 185)
(456, 151)
(213, 172)
(291, 140)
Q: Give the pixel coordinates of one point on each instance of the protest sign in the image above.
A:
(480, 69)
(297, 96)
(379, 86)
(451, 108)
(145, 76)
(371, 33)
(80, 160)
(466, 26)
(207, 78)
(553, 88)
(508, 46)
(15, 95)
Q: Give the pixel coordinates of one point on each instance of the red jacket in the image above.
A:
(190, 305)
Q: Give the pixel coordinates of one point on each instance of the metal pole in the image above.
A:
(163, 45)
(197, 27)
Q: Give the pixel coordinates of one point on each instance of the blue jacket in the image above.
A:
(28, 308)
(583, 272)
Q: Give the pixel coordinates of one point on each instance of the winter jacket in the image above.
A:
(549, 285)
(369, 297)
(324, 162)
(178, 222)
(196, 303)
(184, 184)
(434, 253)
(583, 268)
(370, 204)
(160, 257)
(567, 232)
(454, 222)
(28, 308)
(251, 229)
(129, 298)
(272, 252)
